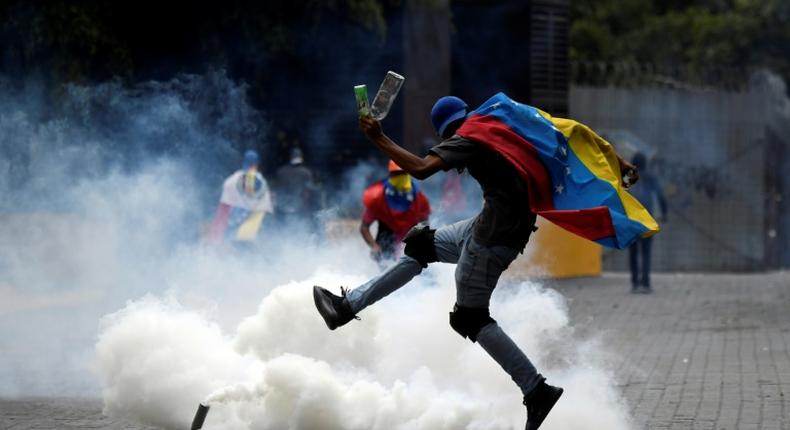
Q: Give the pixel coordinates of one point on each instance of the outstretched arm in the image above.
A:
(420, 168)
(626, 168)
(364, 230)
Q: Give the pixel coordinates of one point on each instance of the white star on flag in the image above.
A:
(495, 105)
(564, 151)
(559, 188)
(567, 170)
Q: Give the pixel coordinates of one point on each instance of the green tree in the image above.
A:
(697, 34)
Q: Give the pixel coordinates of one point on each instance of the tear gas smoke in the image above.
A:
(103, 188)
(107, 226)
(400, 367)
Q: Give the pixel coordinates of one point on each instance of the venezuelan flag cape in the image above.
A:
(573, 174)
(244, 202)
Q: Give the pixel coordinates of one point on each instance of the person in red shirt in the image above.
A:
(398, 205)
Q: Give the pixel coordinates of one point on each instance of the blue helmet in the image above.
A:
(446, 110)
(251, 158)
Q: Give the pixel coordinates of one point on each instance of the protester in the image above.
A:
(296, 194)
(244, 202)
(397, 205)
(527, 163)
(647, 192)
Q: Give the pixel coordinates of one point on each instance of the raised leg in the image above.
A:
(448, 242)
(384, 284)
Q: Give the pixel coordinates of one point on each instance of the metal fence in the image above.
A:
(712, 148)
(630, 74)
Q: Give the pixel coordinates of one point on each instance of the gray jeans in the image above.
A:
(476, 275)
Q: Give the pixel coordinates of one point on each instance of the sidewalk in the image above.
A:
(705, 351)
(51, 413)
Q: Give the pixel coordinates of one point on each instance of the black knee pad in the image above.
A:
(469, 321)
(419, 244)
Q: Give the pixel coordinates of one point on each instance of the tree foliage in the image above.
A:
(700, 34)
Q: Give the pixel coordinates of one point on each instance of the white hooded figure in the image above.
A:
(244, 202)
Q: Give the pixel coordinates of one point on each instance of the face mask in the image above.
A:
(249, 181)
(401, 182)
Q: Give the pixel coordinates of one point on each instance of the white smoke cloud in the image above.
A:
(103, 189)
(400, 367)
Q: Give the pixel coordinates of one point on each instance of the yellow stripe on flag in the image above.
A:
(599, 157)
(248, 230)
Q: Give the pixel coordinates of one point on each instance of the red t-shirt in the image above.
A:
(377, 209)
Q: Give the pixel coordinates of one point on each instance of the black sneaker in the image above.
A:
(539, 402)
(335, 310)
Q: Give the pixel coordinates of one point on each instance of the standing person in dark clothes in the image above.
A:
(295, 192)
(647, 192)
(484, 246)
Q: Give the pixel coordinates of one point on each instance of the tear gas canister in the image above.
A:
(385, 97)
(361, 94)
(200, 417)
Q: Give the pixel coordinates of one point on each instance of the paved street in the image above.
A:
(702, 352)
(57, 414)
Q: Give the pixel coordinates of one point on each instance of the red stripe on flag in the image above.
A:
(217, 229)
(497, 136)
(592, 223)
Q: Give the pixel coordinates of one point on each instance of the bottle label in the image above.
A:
(361, 94)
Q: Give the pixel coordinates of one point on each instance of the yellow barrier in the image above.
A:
(555, 253)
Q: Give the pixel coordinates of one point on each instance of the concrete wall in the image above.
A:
(709, 152)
